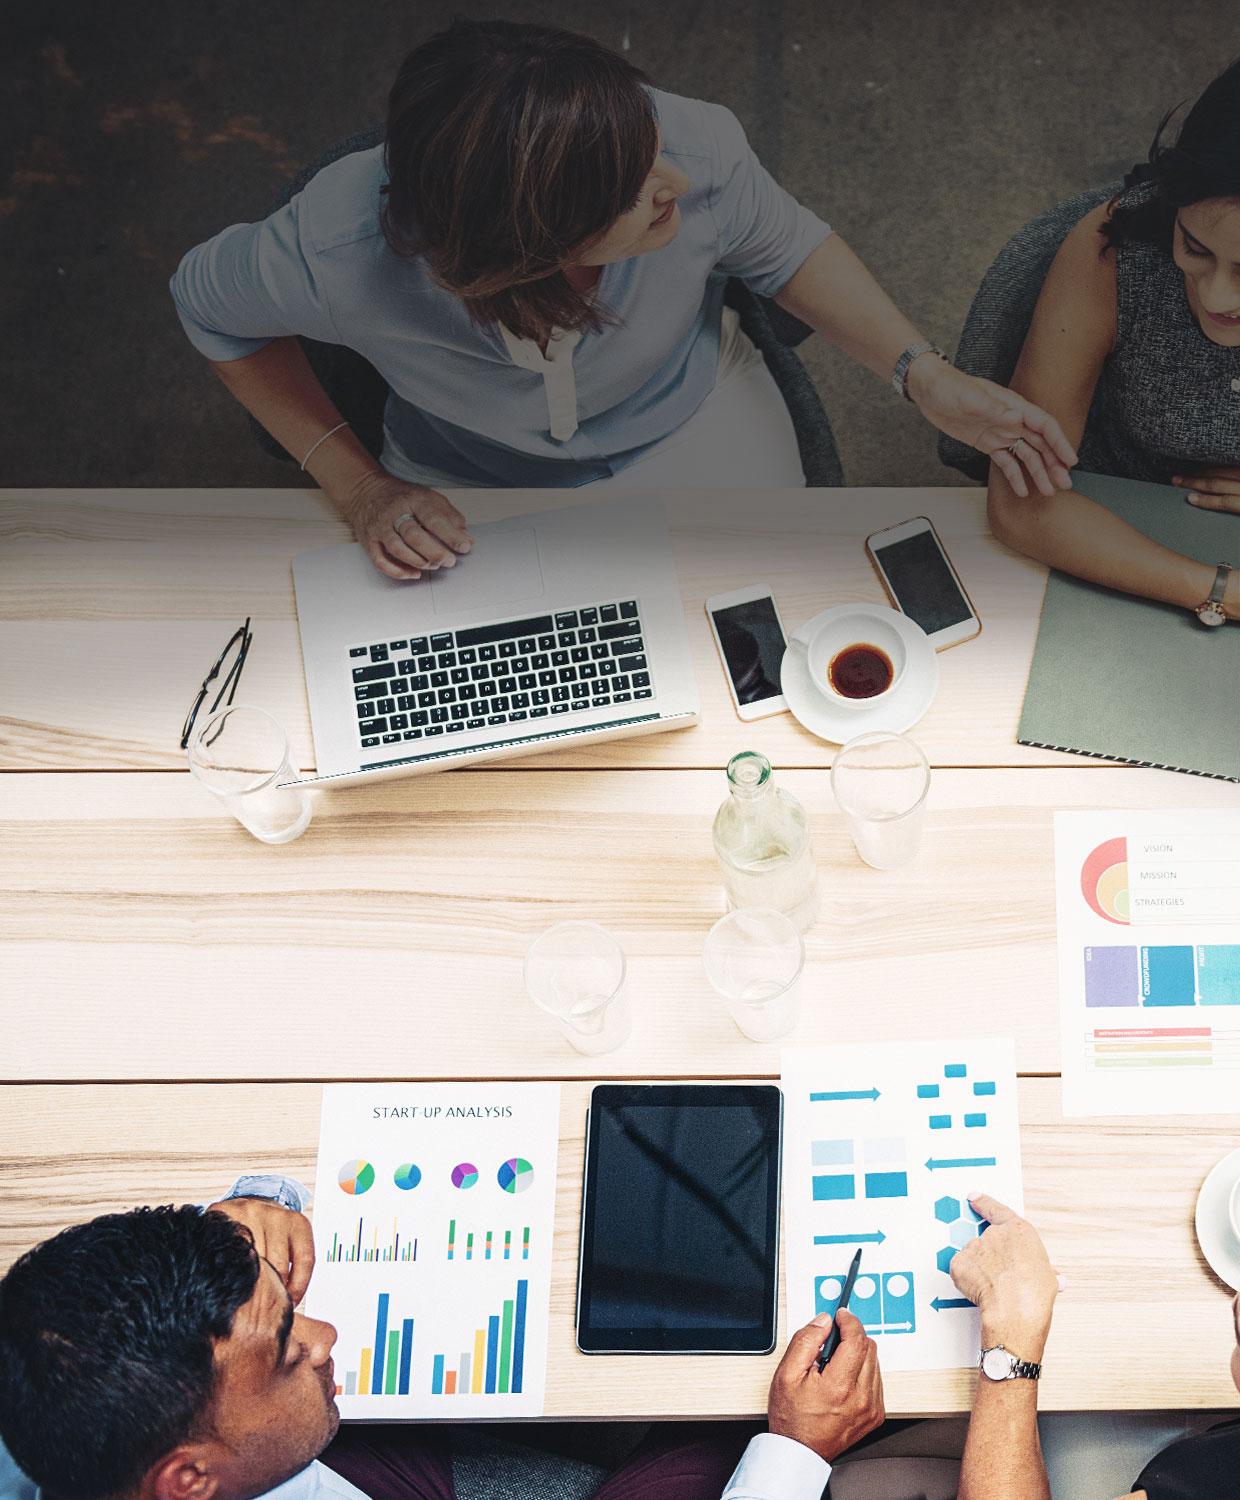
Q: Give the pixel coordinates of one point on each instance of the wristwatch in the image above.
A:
(1211, 611)
(998, 1363)
(899, 376)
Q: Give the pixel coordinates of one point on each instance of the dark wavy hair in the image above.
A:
(509, 147)
(107, 1344)
(1202, 163)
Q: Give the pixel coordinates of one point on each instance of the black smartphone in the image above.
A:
(680, 1220)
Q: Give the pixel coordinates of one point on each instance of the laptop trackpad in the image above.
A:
(503, 566)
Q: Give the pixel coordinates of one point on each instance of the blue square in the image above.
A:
(886, 1185)
(834, 1189)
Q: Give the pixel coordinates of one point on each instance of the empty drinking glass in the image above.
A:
(880, 782)
(575, 972)
(754, 957)
(241, 754)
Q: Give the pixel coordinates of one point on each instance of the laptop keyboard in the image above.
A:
(486, 676)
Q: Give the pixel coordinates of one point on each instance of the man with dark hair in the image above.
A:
(158, 1355)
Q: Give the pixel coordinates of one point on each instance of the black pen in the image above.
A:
(832, 1341)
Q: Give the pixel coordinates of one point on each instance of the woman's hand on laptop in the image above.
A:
(281, 1236)
(406, 529)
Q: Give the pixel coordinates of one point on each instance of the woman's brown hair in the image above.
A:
(509, 148)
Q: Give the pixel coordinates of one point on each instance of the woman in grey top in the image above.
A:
(1135, 347)
(496, 262)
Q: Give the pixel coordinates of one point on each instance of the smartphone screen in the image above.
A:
(922, 582)
(753, 648)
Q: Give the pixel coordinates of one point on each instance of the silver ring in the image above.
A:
(1012, 447)
(400, 521)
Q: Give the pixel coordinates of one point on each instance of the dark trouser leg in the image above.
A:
(393, 1463)
(676, 1462)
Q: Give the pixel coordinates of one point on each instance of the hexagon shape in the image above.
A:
(961, 1233)
(947, 1209)
(945, 1257)
(983, 1226)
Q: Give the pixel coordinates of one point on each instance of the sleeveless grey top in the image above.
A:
(1168, 399)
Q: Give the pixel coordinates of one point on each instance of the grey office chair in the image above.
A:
(359, 391)
(994, 331)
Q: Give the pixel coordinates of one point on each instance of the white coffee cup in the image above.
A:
(836, 635)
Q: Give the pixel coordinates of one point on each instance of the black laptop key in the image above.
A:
(520, 700)
(527, 681)
(644, 693)
(566, 638)
(441, 642)
(546, 642)
(459, 675)
(547, 679)
(608, 669)
(507, 648)
(608, 613)
(434, 729)
(418, 645)
(567, 620)
(407, 667)
(587, 637)
(539, 696)
(559, 694)
(526, 644)
(426, 663)
(518, 665)
(579, 654)
(508, 684)
(406, 703)
(480, 672)
(622, 697)
(589, 669)
(439, 679)
(628, 610)
(385, 705)
(568, 674)
(398, 685)
(599, 702)
(399, 721)
(365, 690)
(621, 684)
(641, 679)
(372, 726)
(447, 658)
(500, 705)
(540, 662)
(632, 663)
(413, 734)
(438, 715)
(374, 673)
(365, 711)
(580, 690)
(468, 657)
(456, 728)
(419, 719)
(367, 743)
(616, 631)
(630, 646)
(559, 658)
(599, 652)
(559, 708)
(378, 653)
(358, 651)
(487, 653)
(496, 718)
(518, 713)
(589, 616)
(475, 723)
(390, 739)
(447, 695)
(579, 703)
(505, 630)
(460, 711)
(427, 700)
(420, 683)
(395, 646)
(539, 711)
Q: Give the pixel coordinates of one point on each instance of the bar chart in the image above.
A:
(361, 1246)
(494, 1363)
(489, 1244)
(384, 1366)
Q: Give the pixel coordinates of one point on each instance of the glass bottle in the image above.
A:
(763, 844)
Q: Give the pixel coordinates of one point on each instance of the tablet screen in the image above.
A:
(681, 1218)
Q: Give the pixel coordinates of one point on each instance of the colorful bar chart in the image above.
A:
(494, 1363)
(1151, 975)
(383, 1367)
(360, 1246)
(477, 1244)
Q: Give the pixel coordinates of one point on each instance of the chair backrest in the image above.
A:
(994, 331)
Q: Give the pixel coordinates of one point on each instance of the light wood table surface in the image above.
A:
(174, 992)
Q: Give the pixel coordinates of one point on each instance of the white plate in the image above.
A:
(897, 712)
(1214, 1232)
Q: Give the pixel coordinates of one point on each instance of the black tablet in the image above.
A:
(680, 1220)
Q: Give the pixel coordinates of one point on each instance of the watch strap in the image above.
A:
(1220, 583)
(1024, 1369)
(899, 375)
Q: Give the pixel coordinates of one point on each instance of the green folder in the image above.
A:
(1128, 679)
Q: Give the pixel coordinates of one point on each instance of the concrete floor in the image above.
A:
(925, 130)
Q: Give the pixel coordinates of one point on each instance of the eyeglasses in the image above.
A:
(231, 657)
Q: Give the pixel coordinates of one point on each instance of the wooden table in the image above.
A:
(168, 981)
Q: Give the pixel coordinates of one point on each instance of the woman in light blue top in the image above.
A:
(495, 262)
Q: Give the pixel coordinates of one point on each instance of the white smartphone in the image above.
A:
(921, 582)
(750, 638)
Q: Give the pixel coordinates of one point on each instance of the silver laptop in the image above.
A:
(557, 629)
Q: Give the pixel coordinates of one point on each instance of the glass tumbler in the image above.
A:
(242, 755)
(880, 782)
(575, 972)
(754, 957)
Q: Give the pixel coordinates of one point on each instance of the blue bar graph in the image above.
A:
(406, 1354)
(376, 1370)
(437, 1377)
(518, 1339)
(492, 1354)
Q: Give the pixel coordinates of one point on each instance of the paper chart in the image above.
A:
(882, 1144)
(433, 1219)
(1148, 908)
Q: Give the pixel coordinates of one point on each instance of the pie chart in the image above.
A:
(464, 1175)
(516, 1175)
(1104, 881)
(407, 1176)
(356, 1176)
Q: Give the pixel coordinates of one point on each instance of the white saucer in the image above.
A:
(1214, 1232)
(897, 712)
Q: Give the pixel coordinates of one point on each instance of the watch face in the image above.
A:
(1211, 614)
(997, 1364)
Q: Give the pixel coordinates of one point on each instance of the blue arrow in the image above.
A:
(961, 1161)
(850, 1239)
(846, 1094)
(940, 1303)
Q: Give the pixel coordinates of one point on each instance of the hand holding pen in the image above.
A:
(827, 1410)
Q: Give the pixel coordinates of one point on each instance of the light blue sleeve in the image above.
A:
(765, 235)
(13, 1483)
(252, 283)
(778, 1468)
